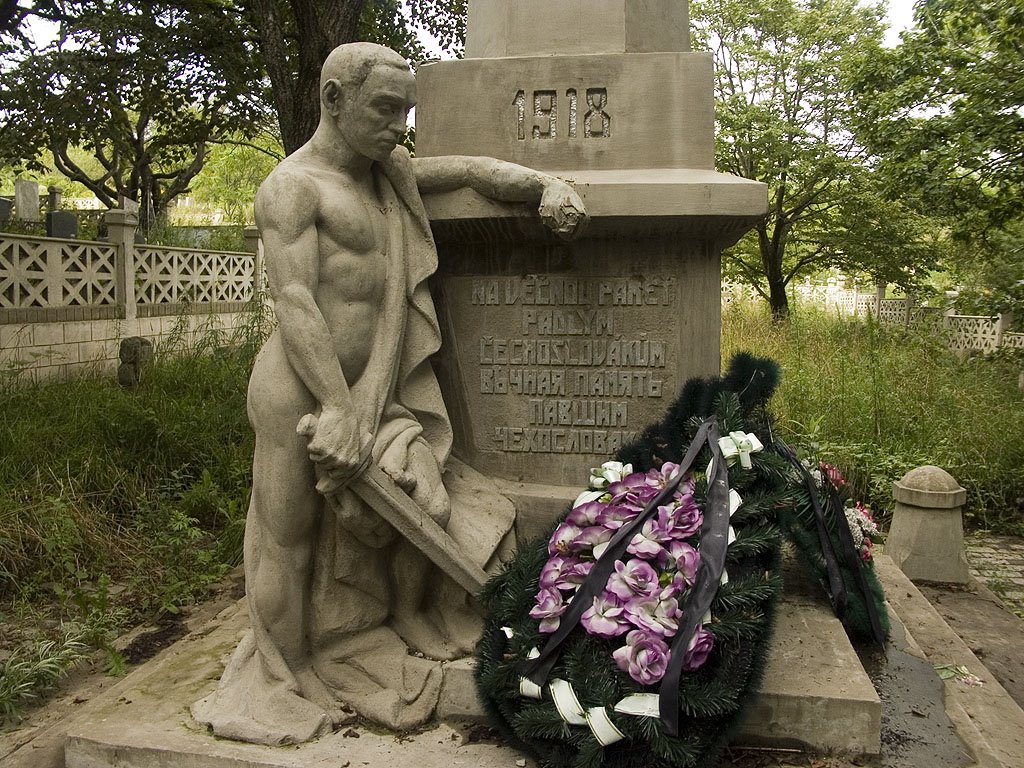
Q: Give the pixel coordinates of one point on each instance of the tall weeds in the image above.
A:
(880, 400)
(118, 505)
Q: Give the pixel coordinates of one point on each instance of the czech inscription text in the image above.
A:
(575, 360)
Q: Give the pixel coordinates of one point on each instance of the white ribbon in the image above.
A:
(527, 687)
(603, 728)
(735, 500)
(639, 705)
(739, 444)
(567, 703)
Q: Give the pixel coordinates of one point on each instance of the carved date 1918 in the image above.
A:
(546, 123)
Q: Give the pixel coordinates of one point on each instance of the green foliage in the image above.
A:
(943, 109)
(34, 668)
(784, 116)
(142, 87)
(232, 174)
(878, 401)
(121, 505)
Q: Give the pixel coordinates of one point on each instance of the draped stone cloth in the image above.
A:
(362, 662)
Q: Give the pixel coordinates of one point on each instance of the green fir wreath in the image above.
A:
(566, 695)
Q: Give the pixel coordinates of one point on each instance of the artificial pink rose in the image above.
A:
(562, 538)
(644, 657)
(605, 618)
(548, 608)
(683, 521)
(614, 517)
(575, 575)
(683, 558)
(590, 537)
(834, 475)
(554, 570)
(697, 650)
(659, 478)
(635, 578)
(585, 514)
(654, 534)
(658, 615)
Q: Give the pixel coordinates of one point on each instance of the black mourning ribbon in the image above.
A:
(855, 564)
(713, 543)
(836, 588)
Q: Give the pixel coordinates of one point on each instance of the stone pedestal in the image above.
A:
(926, 539)
(557, 354)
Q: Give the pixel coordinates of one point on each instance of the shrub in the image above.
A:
(879, 400)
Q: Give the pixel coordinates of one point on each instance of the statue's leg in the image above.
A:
(283, 520)
(429, 610)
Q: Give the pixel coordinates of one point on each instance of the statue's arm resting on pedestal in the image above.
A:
(286, 207)
(560, 207)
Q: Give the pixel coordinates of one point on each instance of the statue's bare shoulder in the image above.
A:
(289, 199)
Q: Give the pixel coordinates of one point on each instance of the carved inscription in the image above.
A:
(543, 121)
(575, 361)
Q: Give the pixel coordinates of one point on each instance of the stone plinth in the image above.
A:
(143, 722)
(926, 539)
(557, 354)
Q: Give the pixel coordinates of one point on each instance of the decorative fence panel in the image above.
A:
(39, 276)
(54, 280)
(169, 279)
(1013, 340)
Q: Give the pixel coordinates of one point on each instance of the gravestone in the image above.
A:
(6, 205)
(26, 200)
(62, 224)
(556, 354)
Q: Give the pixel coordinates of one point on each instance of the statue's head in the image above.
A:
(366, 92)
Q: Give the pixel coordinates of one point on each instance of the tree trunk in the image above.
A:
(294, 70)
(773, 248)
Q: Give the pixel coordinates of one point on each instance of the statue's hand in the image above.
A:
(338, 448)
(394, 463)
(562, 210)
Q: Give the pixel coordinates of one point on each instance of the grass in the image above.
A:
(118, 506)
(880, 400)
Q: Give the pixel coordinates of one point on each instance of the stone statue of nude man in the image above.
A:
(336, 598)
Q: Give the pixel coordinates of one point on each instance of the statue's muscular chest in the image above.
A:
(353, 232)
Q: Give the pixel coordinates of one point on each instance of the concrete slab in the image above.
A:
(815, 693)
(144, 722)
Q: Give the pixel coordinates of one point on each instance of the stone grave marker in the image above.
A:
(6, 205)
(556, 354)
(62, 224)
(26, 200)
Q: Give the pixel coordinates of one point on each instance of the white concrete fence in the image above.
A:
(65, 304)
(966, 333)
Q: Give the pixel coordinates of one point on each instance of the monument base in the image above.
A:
(814, 695)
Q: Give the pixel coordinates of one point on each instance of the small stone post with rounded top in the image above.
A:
(926, 539)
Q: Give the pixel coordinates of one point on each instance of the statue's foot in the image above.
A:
(422, 634)
(442, 635)
(314, 690)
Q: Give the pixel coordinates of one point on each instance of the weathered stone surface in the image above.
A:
(497, 28)
(815, 693)
(26, 200)
(144, 722)
(6, 206)
(926, 537)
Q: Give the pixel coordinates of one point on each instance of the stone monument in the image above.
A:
(347, 618)
(556, 354)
